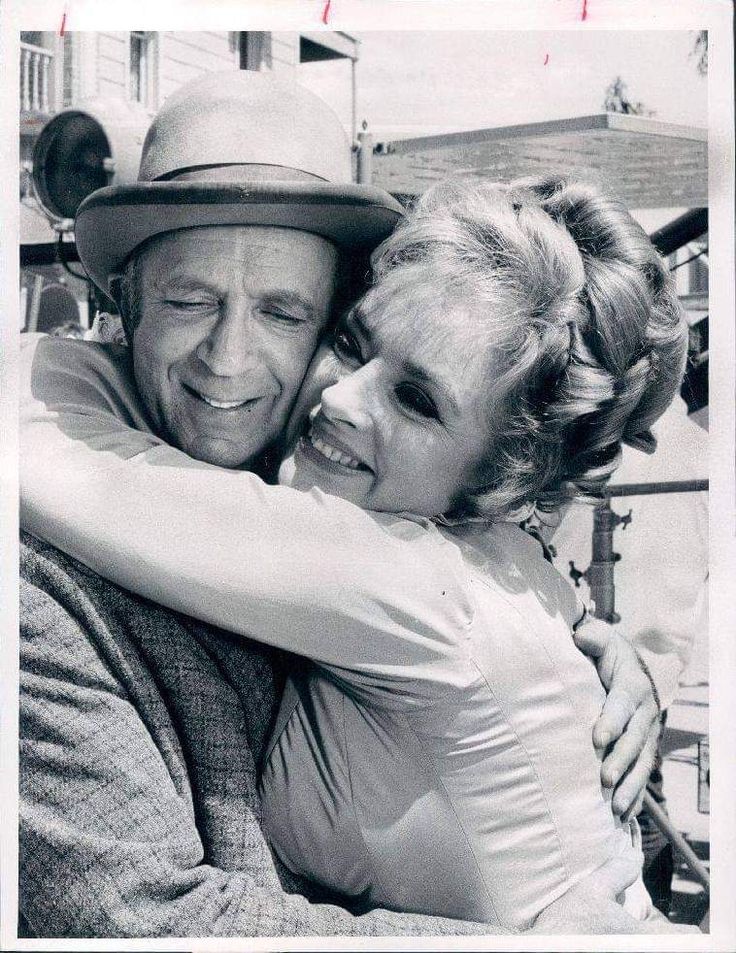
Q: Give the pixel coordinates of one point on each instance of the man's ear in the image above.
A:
(115, 288)
(119, 300)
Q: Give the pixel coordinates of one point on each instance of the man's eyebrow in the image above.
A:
(167, 283)
(422, 375)
(290, 300)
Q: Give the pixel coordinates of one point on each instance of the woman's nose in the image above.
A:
(349, 401)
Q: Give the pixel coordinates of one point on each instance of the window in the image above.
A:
(36, 73)
(142, 60)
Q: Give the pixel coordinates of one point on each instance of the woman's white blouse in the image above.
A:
(472, 793)
(435, 755)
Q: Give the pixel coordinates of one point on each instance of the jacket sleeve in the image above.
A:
(109, 840)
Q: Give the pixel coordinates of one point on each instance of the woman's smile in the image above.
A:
(333, 454)
(328, 451)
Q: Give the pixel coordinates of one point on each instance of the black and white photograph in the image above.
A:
(361, 454)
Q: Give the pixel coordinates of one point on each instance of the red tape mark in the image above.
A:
(546, 58)
(63, 24)
(326, 12)
(584, 15)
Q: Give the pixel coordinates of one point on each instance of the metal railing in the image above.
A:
(35, 78)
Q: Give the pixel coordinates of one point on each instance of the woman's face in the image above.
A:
(397, 407)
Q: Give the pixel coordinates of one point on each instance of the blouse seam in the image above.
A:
(433, 765)
(507, 720)
(532, 765)
(429, 761)
(346, 755)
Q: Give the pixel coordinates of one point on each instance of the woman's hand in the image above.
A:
(628, 727)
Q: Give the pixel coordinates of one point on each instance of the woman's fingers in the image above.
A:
(618, 711)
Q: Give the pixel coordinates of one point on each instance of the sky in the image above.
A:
(421, 83)
(412, 83)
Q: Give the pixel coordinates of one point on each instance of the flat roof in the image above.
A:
(645, 162)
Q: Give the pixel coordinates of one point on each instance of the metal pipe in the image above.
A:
(679, 232)
(662, 486)
(663, 822)
(32, 322)
(599, 574)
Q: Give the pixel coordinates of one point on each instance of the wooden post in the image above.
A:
(36, 80)
(45, 84)
(353, 102)
(25, 60)
(365, 158)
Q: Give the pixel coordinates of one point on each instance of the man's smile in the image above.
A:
(217, 402)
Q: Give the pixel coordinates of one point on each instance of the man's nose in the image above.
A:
(229, 347)
(352, 399)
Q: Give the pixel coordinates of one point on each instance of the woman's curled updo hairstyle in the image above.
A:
(589, 335)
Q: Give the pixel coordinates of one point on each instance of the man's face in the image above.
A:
(230, 317)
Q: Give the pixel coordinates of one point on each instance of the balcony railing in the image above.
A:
(35, 78)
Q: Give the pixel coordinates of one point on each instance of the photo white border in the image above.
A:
(387, 15)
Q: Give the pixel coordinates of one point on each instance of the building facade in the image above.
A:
(57, 72)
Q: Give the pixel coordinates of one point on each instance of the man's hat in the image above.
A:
(236, 148)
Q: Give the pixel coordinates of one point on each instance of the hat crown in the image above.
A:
(246, 118)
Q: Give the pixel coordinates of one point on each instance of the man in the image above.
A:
(141, 729)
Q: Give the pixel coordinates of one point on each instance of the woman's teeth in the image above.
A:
(336, 456)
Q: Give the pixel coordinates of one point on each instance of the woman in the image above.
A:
(436, 755)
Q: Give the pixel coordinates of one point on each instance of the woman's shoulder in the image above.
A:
(515, 575)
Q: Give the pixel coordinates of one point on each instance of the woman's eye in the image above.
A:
(415, 399)
(345, 345)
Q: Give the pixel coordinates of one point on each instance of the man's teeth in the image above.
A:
(333, 454)
(222, 404)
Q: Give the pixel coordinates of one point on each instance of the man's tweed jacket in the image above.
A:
(140, 734)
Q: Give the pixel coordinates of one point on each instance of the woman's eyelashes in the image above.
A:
(409, 396)
(416, 400)
(346, 346)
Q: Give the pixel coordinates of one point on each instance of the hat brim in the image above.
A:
(113, 221)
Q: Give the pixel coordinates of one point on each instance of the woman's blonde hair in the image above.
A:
(583, 315)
